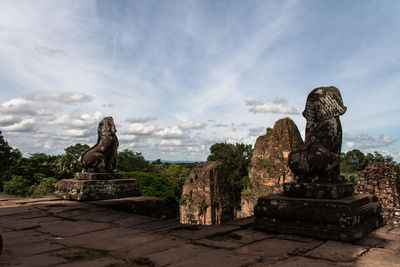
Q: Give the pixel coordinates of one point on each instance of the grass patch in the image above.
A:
(84, 254)
(225, 237)
(74, 211)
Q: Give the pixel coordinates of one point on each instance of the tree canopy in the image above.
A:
(236, 159)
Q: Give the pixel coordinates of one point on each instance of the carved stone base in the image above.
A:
(97, 176)
(84, 190)
(312, 190)
(343, 219)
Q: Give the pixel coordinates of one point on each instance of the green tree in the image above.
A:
(155, 184)
(68, 164)
(18, 186)
(236, 160)
(128, 160)
(9, 159)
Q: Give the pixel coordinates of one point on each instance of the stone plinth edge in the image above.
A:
(312, 190)
(146, 206)
(343, 219)
(86, 190)
(97, 176)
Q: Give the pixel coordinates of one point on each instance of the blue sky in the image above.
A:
(179, 76)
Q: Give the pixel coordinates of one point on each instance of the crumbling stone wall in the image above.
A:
(206, 196)
(269, 166)
(380, 179)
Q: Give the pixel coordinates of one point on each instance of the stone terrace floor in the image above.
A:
(52, 232)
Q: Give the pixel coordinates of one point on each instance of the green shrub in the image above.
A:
(16, 186)
(155, 184)
(44, 188)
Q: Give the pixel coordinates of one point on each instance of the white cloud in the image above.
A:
(6, 120)
(192, 125)
(171, 142)
(257, 131)
(272, 106)
(141, 119)
(77, 132)
(25, 125)
(127, 137)
(364, 141)
(76, 120)
(220, 125)
(172, 133)
(22, 106)
(140, 129)
(63, 97)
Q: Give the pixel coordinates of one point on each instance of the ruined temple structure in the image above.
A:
(206, 196)
(269, 166)
(319, 203)
(94, 183)
(380, 179)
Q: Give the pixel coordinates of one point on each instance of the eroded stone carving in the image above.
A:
(104, 150)
(319, 203)
(317, 161)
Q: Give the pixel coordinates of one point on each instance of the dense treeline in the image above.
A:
(354, 162)
(36, 175)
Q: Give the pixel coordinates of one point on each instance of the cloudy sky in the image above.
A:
(178, 76)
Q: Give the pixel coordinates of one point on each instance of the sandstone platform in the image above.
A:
(86, 190)
(53, 232)
(345, 219)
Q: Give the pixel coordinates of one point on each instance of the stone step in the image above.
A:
(142, 205)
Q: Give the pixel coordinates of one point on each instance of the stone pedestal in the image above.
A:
(96, 189)
(313, 190)
(345, 219)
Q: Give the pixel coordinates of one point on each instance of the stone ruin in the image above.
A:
(319, 203)
(380, 179)
(94, 183)
(269, 166)
(206, 196)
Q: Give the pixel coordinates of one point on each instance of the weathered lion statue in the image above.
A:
(317, 161)
(105, 149)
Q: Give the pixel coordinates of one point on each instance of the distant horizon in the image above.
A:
(178, 76)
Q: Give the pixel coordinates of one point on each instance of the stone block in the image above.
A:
(344, 219)
(147, 206)
(85, 190)
(97, 176)
(312, 190)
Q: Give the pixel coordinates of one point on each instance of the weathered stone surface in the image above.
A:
(104, 150)
(319, 203)
(380, 179)
(206, 196)
(304, 262)
(269, 165)
(234, 239)
(189, 255)
(339, 219)
(81, 241)
(194, 232)
(337, 251)
(84, 190)
(379, 257)
(313, 190)
(97, 176)
(342, 212)
(64, 229)
(318, 159)
(271, 250)
(147, 206)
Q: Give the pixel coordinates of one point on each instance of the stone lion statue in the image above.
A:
(105, 149)
(317, 161)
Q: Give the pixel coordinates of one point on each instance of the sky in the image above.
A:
(179, 76)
